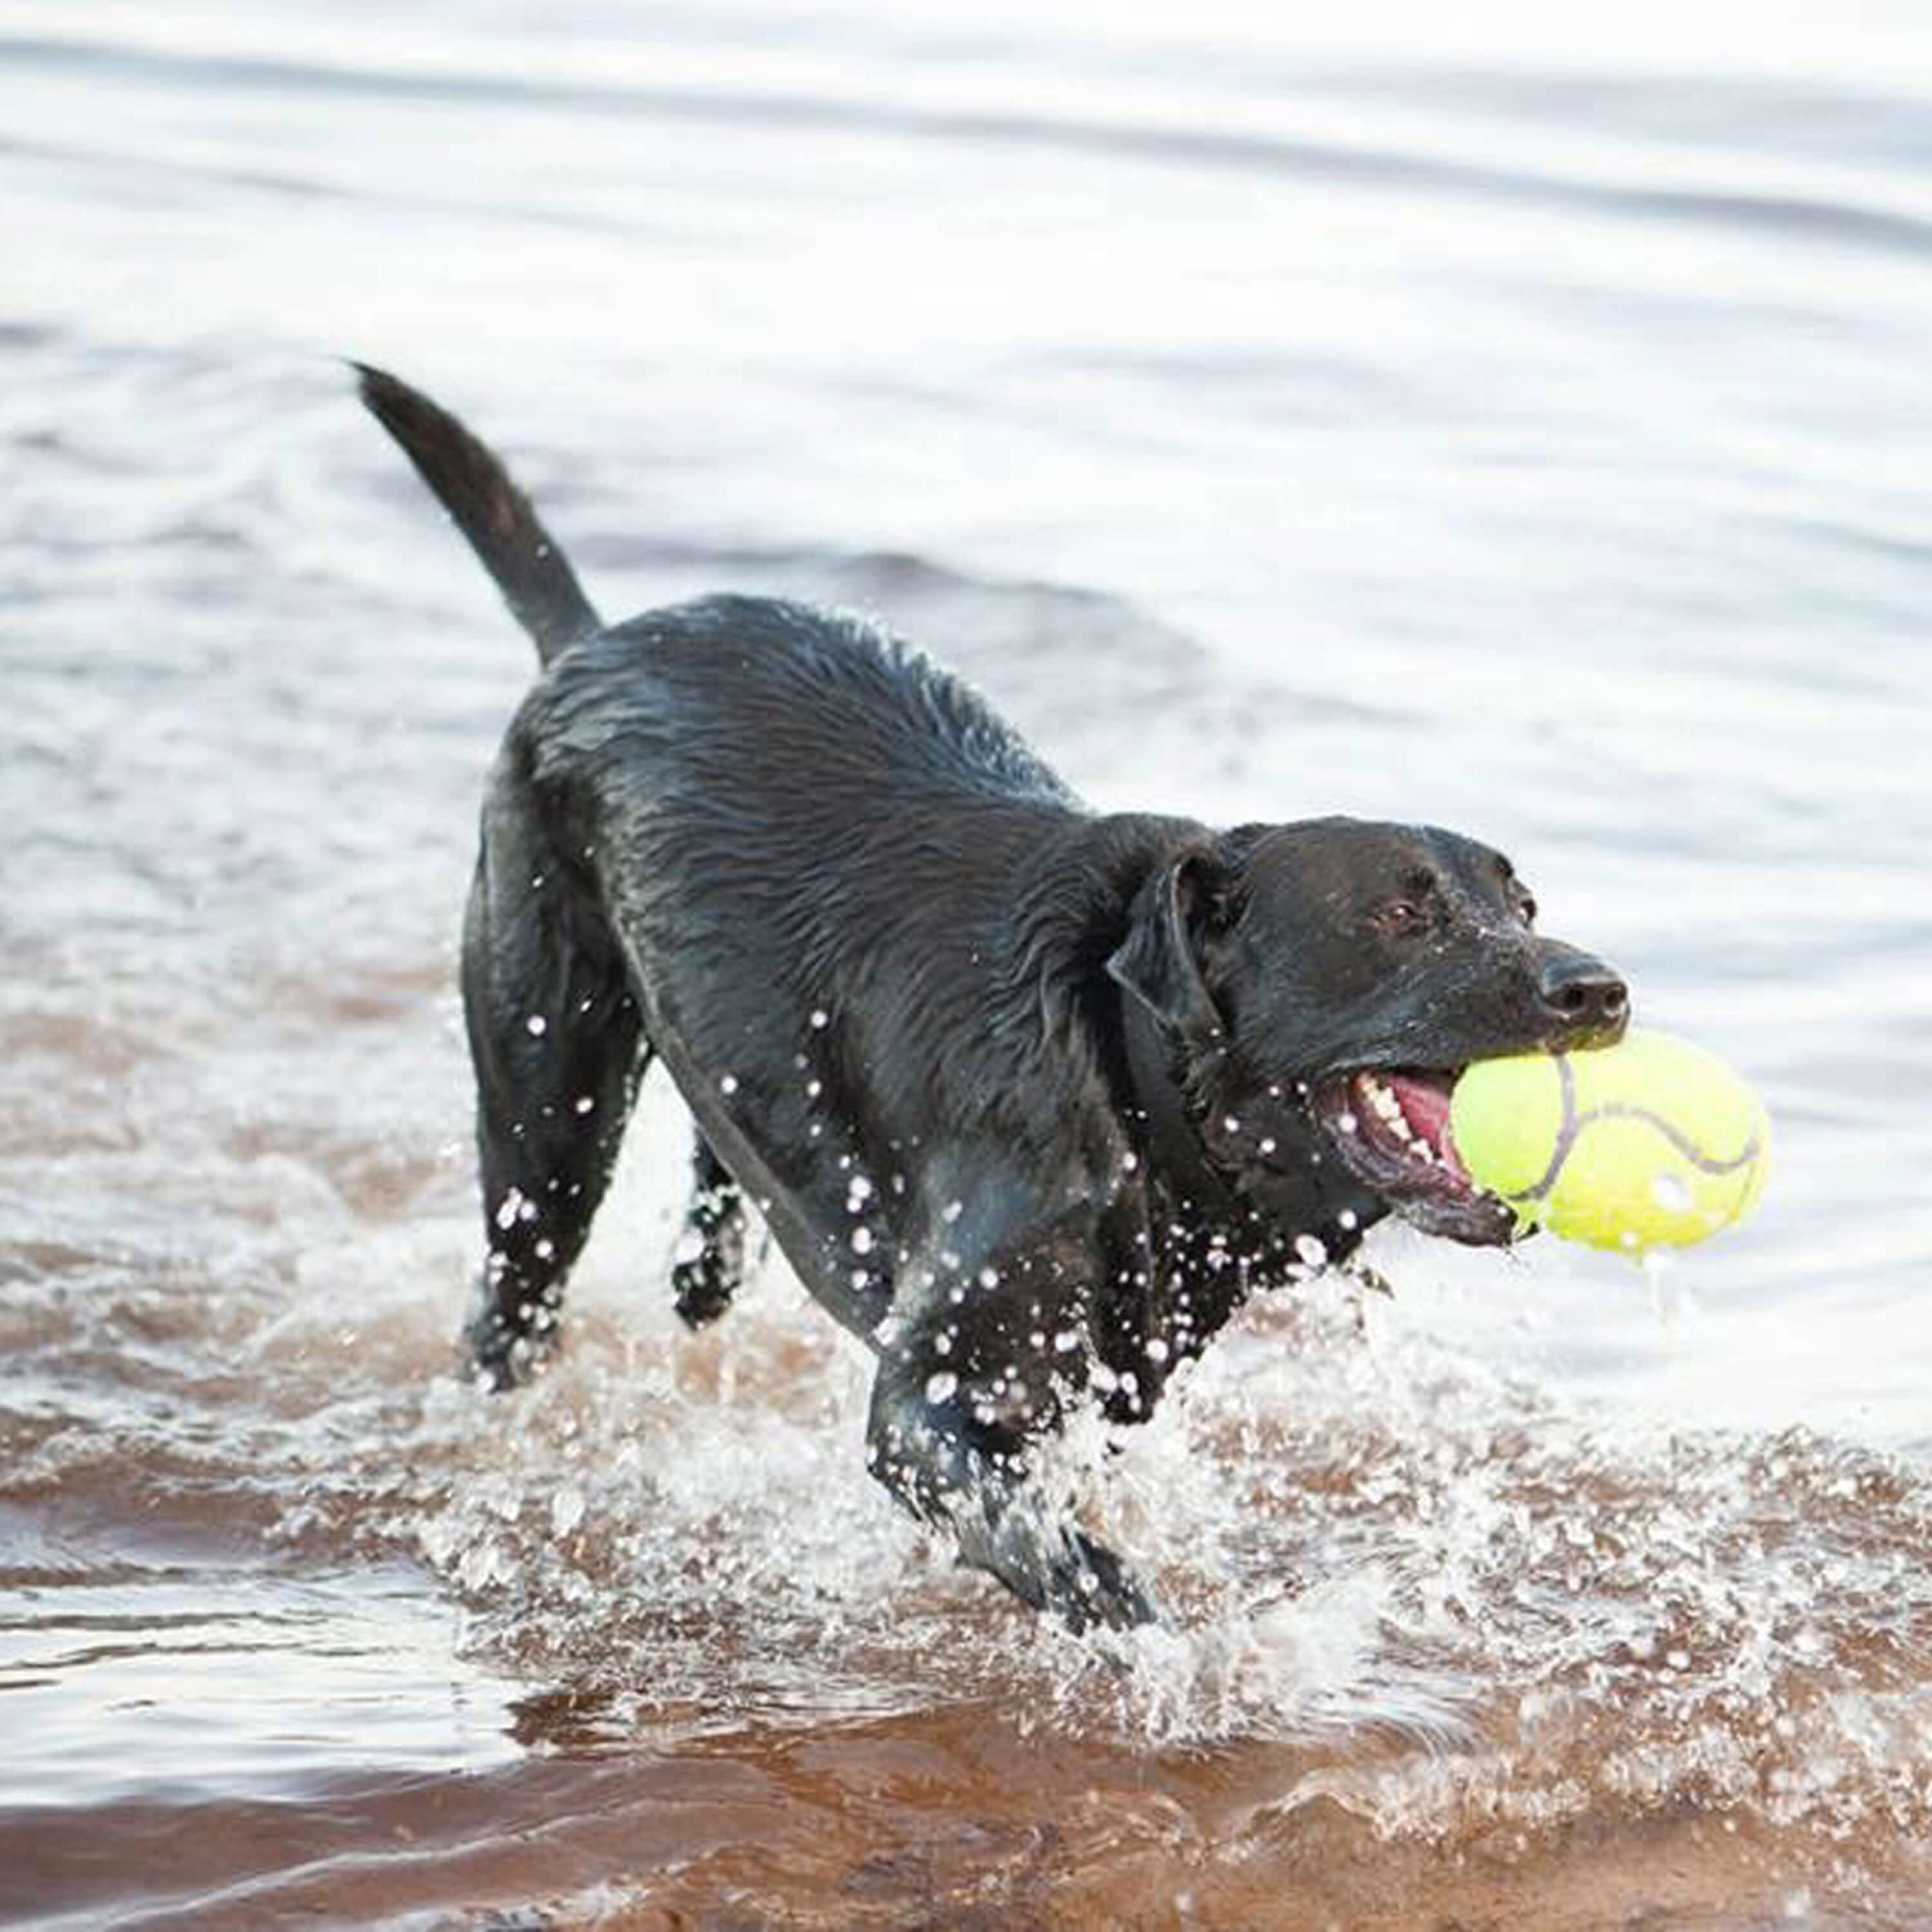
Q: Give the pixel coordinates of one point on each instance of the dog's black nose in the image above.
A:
(1587, 998)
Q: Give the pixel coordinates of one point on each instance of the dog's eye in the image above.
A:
(1399, 916)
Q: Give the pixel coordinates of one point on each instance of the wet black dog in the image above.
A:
(1030, 1099)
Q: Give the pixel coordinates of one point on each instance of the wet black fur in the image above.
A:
(1021, 1091)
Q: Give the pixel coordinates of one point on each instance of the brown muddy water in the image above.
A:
(1473, 419)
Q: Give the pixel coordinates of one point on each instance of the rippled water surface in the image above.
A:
(1482, 420)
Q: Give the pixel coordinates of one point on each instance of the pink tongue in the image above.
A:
(1425, 1108)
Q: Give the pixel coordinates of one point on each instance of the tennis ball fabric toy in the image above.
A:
(1651, 1143)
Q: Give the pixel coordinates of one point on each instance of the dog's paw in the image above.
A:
(705, 1282)
(1063, 1571)
(1099, 1588)
(497, 1357)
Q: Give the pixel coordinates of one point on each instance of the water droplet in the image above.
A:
(942, 1386)
(729, 1084)
(537, 1024)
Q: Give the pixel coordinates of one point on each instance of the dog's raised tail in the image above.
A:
(494, 515)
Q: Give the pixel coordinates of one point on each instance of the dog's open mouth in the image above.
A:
(1390, 1126)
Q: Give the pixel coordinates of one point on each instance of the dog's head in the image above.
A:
(1331, 978)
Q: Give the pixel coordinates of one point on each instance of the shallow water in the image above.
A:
(1443, 419)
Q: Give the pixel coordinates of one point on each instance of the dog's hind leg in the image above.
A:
(711, 1256)
(558, 1048)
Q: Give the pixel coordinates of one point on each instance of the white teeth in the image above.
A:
(1382, 1099)
(1388, 1110)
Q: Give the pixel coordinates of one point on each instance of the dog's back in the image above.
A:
(822, 710)
(781, 804)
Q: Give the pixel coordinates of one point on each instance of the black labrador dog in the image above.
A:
(1031, 1099)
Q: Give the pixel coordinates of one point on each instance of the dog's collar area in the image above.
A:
(1173, 1142)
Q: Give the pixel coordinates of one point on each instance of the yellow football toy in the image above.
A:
(1652, 1142)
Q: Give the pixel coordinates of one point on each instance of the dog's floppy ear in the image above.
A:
(1159, 961)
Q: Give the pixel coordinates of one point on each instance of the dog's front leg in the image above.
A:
(965, 1380)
